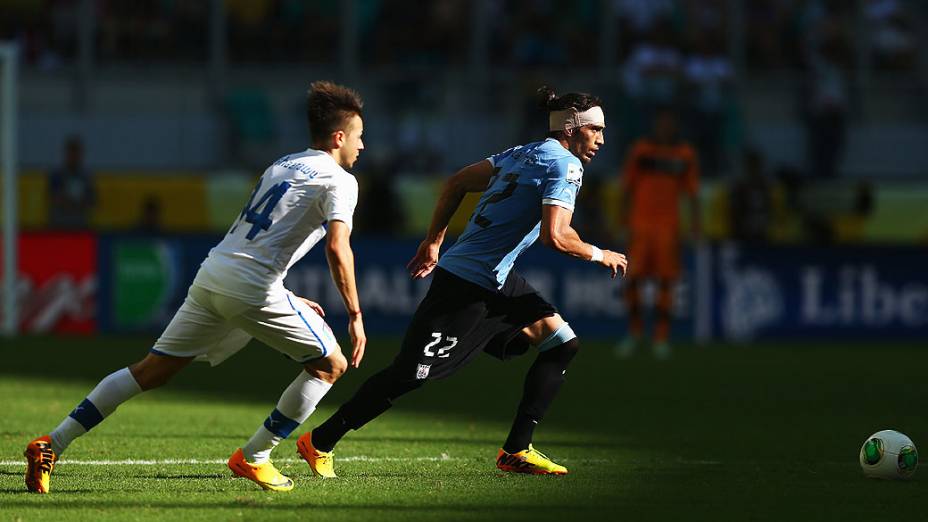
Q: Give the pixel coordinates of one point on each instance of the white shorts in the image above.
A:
(213, 327)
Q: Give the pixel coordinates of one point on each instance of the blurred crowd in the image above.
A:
(687, 56)
(522, 33)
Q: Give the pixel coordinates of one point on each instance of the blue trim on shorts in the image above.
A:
(299, 313)
(159, 352)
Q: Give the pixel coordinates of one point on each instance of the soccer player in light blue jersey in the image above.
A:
(476, 301)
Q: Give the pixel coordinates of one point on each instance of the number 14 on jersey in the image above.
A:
(259, 214)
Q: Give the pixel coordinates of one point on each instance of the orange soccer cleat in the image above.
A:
(40, 462)
(529, 461)
(321, 462)
(265, 474)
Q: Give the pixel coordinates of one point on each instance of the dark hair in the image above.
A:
(329, 108)
(550, 101)
(581, 101)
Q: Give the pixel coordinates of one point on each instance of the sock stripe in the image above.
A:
(87, 414)
(279, 424)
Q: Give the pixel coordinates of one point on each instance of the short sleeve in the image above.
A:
(341, 200)
(562, 182)
(496, 159)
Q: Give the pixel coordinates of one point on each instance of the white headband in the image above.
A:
(570, 118)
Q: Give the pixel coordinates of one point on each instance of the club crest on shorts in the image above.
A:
(422, 370)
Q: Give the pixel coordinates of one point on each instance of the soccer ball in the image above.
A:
(888, 454)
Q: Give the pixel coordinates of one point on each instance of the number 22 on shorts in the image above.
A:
(442, 352)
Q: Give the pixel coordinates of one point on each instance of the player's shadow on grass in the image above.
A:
(483, 441)
(97, 504)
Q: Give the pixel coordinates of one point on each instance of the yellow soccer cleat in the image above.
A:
(529, 461)
(321, 462)
(40, 462)
(264, 474)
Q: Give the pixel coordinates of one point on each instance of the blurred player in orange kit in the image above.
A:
(659, 170)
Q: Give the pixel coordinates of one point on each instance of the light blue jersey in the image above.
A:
(508, 216)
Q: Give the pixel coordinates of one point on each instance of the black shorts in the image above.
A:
(457, 319)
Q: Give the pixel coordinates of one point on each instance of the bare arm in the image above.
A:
(341, 265)
(557, 233)
(473, 178)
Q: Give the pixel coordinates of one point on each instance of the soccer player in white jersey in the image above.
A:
(238, 294)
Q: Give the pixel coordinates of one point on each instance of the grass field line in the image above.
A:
(185, 462)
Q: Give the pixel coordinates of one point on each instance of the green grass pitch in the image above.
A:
(717, 433)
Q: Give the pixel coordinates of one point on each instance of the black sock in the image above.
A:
(326, 435)
(520, 435)
(373, 398)
(542, 383)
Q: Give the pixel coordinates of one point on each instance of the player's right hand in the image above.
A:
(425, 260)
(615, 262)
(358, 339)
(316, 307)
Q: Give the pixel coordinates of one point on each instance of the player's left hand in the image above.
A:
(316, 307)
(425, 260)
(615, 262)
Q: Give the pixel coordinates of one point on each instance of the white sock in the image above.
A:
(296, 404)
(65, 433)
(115, 389)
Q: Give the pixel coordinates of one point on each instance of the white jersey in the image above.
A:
(284, 218)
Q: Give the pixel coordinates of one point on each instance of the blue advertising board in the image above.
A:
(847, 292)
(726, 292)
(583, 292)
